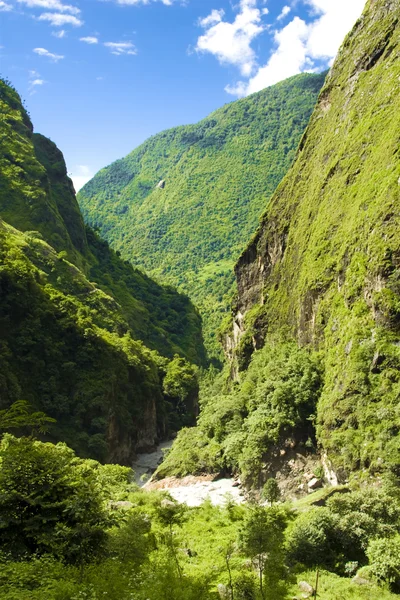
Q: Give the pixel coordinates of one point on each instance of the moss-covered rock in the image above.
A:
(324, 263)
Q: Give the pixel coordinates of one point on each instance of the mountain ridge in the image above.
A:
(313, 343)
(183, 204)
(84, 337)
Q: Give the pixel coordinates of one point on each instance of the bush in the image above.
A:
(384, 558)
(313, 539)
(50, 501)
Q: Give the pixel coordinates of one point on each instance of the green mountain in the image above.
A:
(185, 202)
(315, 344)
(84, 336)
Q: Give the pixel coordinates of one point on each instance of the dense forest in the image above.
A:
(184, 203)
(84, 336)
(98, 362)
(314, 346)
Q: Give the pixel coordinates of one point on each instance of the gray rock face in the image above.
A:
(360, 580)
(306, 588)
(314, 484)
(224, 592)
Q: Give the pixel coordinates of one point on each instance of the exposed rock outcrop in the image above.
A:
(323, 267)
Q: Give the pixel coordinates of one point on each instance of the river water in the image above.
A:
(190, 490)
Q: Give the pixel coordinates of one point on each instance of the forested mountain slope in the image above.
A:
(37, 194)
(316, 334)
(324, 264)
(185, 202)
(83, 336)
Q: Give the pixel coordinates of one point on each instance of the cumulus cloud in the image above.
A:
(81, 175)
(300, 45)
(59, 19)
(59, 34)
(327, 32)
(90, 39)
(4, 7)
(289, 58)
(119, 48)
(285, 11)
(230, 43)
(47, 54)
(55, 5)
(213, 18)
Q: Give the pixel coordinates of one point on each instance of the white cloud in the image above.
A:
(119, 48)
(59, 34)
(300, 44)
(51, 5)
(213, 18)
(137, 2)
(35, 80)
(327, 33)
(47, 54)
(231, 42)
(58, 19)
(90, 39)
(289, 58)
(285, 11)
(81, 175)
(4, 7)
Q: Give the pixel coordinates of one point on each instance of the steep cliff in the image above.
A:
(27, 199)
(314, 347)
(324, 266)
(84, 337)
(183, 204)
(37, 194)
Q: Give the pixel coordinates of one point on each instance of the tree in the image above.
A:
(181, 386)
(261, 538)
(21, 415)
(384, 558)
(171, 513)
(50, 501)
(271, 491)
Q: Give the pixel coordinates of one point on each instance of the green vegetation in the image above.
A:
(240, 423)
(316, 337)
(74, 529)
(164, 320)
(218, 176)
(323, 266)
(66, 349)
(84, 337)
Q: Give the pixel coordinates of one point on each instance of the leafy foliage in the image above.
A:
(240, 423)
(324, 263)
(218, 175)
(384, 557)
(50, 502)
(21, 416)
(261, 538)
(74, 529)
(342, 531)
(84, 337)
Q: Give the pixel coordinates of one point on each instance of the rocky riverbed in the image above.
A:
(191, 490)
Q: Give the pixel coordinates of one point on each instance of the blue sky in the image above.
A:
(99, 76)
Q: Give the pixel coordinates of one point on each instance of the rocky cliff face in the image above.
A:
(323, 267)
